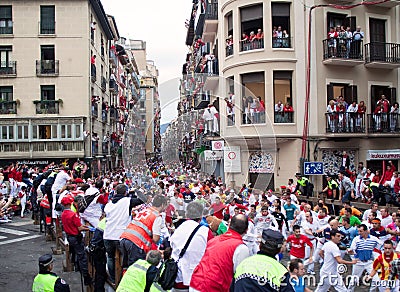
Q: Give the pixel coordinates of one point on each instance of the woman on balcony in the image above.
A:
(332, 110)
(288, 113)
(394, 116)
(245, 42)
(361, 110)
(332, 36)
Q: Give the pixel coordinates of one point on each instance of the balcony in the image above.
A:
(103, 84)
(47, 67)
(211, 22)
(8, 69)
(135, 79)
(113, 114)
(283, 117)
(347, 54)
(8, 107)
(7, 29)
(254, 45)
(383, 123)
(385, 4)
(44, 107)
(47, 28)
(281, 43)
(345, 122)
(201, 100)
(93, 72)
(382, 55)
(113, 86)
(102, 52)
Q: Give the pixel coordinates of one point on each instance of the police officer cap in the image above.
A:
(45, 260)
(272, 238)
(297, 174)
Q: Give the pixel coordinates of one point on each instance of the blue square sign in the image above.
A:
(313, 168)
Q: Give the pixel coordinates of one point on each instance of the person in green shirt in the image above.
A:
(354, 221)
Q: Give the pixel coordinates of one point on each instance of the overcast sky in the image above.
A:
(162, 25)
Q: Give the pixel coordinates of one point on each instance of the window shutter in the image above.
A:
(329, 92)
(47, 19)
(354, 95)
(251, 13)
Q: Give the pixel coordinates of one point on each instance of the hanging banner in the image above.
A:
(232, 162)
(393, 154)
(217, 145)
(213, 155)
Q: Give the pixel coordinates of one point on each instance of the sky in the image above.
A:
(162, 25)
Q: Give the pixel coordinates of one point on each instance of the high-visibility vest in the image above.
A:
(332, 184)
(139, 231)
(263, 269)
(44, 283)
(134, 279)
(44, 203)
(303, 181)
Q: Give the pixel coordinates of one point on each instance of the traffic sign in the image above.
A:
(313, 168)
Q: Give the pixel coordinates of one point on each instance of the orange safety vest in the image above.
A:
(139, 231)
(45, 202)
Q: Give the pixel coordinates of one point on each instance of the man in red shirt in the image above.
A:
(298, 245)
(218, 208)
(73, 227)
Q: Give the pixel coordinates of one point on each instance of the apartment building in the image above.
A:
(149, 100)
(57, 100)
(271, 68)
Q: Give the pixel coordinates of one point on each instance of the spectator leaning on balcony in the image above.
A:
(285, 39)
(378, 115)
(332, 36)
(278, 112)
(394, 116)
(385, 104)
(358, 36)
(351, 116)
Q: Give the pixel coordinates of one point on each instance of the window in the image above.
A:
(7, 132)
(78, 131)
(22, 132)
(283, 107)
(66, 131)
(252, 28)
(6, 93)
(6, 65)
(253, 98)
(338, 90)
(229, 38)
(281, 25)
(47, 20)
(6, 24)
(41, 132)
(48, 92)
(230, 101)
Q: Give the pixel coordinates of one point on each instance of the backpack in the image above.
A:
(169, 269)
(85, 201)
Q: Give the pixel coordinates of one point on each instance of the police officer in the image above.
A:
(302, 185)
(372, 190)
(46, 281)
(140, 276)
(332, 191)
(262, 272)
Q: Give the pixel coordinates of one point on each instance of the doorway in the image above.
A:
(377, 36)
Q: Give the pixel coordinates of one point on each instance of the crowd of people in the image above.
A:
(343, 43)
(160, 218)
(344, 117)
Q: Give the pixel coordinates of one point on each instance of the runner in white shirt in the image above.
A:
(329, 273)
(309, 227)
(264, 220)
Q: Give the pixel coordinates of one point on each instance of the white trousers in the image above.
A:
(358, 269)
(328, 280)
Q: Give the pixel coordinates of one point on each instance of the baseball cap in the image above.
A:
(67, 200)
(272, 238)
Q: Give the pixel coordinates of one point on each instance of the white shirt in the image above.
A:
(331, 251)
(117, 218)
(194, 252)
(60, 181)
(386, 221)
(367, 212)
(272, 198)
(314, 226)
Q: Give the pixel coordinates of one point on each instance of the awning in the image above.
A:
(393, 154)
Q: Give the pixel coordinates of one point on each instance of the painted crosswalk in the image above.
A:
(11, 233)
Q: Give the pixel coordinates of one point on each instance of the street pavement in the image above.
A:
(21, 244)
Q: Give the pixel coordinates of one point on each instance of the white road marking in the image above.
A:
(12, 231)
(22, 223)
(19, 239)
(2, 237)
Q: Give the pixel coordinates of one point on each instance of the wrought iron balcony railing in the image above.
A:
(47, 67)
(47, 106)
